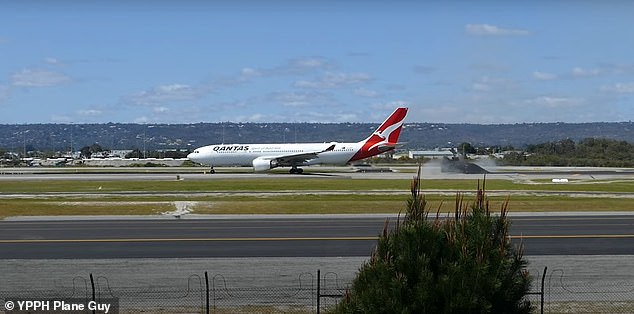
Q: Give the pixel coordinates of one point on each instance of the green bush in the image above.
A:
(462, 264)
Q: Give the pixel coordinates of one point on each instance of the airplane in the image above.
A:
(263, 157)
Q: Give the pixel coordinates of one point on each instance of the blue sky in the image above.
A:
(316, 61)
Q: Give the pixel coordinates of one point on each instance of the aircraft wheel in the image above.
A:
(293, 171)
(300, 170)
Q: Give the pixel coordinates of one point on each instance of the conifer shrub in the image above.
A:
(464, 263)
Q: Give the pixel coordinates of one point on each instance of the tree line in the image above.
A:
(88, 151)
(589, 152)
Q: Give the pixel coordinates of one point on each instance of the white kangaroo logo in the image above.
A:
(385, 134)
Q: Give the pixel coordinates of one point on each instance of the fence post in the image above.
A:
(318, 289)
(92, 283)
(207, 292)
(542, 292)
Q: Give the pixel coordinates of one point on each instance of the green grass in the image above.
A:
(49, 197)
(46, 208)
(289, 204)
(300, 184)
(393, 206)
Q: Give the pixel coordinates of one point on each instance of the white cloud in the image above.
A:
(166, 93)
(581, 72)
(38, 78)
(544, 76)
(160, 109)
(90, 113)
(491, 30)
(480, 87)
(309, 62)
(297, 99)
(619, 88)
(52, 61)
(61, 119)
(334, 80)
(391, 105)
(323, 116)
(300, 116)
(292, 99)
(602, 70)
(366, 93)
(178, 88)
(554, 102)
(488, 84)
(249, 73)
(142, 120)
(618, 68)
(299, 66)
(296, 66)
(256, 117)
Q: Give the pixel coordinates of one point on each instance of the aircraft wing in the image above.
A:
(297, 159)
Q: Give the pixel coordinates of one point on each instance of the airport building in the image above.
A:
(432, 154)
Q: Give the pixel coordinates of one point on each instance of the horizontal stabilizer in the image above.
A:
(386, 146)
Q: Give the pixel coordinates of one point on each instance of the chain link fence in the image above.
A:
(196, 294)
(567, 292)
(554, 291)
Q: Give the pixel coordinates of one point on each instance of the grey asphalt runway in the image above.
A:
(281, 237)
(431, 170)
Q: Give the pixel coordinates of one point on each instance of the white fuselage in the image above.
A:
(263, 157)
(244, 154)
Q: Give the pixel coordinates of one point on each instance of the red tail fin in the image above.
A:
(385, 137)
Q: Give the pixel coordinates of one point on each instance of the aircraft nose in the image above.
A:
(191, 157)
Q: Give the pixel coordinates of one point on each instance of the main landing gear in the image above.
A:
(211, 170)
(295, 170)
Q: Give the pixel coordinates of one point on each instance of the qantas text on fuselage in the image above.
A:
(263, 157)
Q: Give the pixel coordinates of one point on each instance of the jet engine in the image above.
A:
(261, 164)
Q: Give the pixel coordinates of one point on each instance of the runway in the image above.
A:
(431, 170)
(282, 237)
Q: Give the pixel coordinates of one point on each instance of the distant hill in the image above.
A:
(58, 137)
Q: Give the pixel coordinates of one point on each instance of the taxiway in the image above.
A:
(282, 237)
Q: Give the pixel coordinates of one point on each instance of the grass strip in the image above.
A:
(299, 184)
(305, 204)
